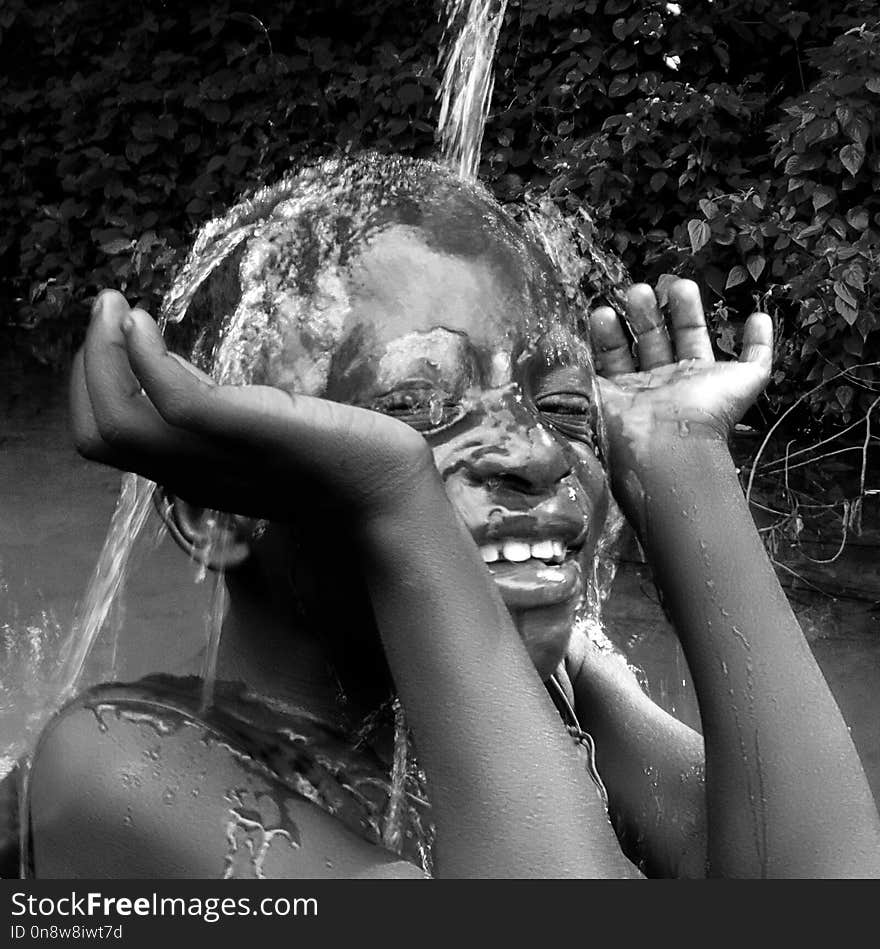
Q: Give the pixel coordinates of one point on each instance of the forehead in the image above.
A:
(401, 283)
(416, 304)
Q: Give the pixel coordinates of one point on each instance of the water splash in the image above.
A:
(468, 79)
(29, 647)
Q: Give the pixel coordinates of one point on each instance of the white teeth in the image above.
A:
(543, 550)
(516, 551)
(489, 553)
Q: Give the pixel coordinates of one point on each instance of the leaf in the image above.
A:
(837, 226)
(725, 337)
(736, 276)
(756, 266)
(858, 218)
(848, 312)
(798, 164)
(855, 277)
(823, 196)
(619, 29)
(844, 293)
(621, 85)
(699, 233)
(852, 157)
(709, 208)
(117, 246)
(658, 179)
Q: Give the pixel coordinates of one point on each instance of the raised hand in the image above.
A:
(252, 450)
(677, 389)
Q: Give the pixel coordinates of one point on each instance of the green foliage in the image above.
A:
(734, 142)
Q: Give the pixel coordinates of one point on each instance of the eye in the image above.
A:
(424, 408)
(571, 413)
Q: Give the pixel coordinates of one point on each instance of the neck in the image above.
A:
(274, 652)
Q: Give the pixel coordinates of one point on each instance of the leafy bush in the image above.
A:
(734, 141)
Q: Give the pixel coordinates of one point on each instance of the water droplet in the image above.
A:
(169, 796)
(435, 410)
(684, 428)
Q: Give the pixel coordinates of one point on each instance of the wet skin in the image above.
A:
(507, 407)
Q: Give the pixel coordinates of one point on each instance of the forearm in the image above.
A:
(509, 794)
(786, 793)
(652, 766)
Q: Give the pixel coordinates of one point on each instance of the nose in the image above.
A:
(516, 450)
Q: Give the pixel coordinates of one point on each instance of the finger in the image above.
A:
(610, 343)
(86, 436)
(758, 341)
(119, 424)
(689, 332)
(648, 326)
(193, 369)
(108, 375)
(176, 388)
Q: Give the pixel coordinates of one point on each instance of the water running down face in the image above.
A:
(442, 313)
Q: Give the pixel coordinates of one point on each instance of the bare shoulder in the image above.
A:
(134, 790)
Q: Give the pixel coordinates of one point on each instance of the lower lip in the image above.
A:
(534, 583)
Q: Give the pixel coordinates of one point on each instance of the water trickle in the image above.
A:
(197, 269)
(392, 832)
(468, 79)
(24, 817)
(215, 628)
(131, 512)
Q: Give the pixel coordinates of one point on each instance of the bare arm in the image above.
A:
(785, 791)
(652, 764)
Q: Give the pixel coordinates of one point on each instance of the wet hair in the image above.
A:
(279, 259)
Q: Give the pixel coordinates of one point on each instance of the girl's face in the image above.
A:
(446, 343)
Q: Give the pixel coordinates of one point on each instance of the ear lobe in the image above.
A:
(214, 539)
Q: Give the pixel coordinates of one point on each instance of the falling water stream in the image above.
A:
(465, 94)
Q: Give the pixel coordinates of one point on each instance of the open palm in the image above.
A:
(677, 388)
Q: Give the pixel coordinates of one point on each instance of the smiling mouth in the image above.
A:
(532, 574)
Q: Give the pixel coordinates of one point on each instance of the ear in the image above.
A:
(217, 540)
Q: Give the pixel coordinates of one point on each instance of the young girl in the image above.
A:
(407, 435)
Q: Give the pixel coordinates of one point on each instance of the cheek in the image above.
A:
(594, 483)
(590, 473)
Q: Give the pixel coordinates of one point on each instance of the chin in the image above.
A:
(545, 631)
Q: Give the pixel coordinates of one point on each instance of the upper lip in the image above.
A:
(532, 528)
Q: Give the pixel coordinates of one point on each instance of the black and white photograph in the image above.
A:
(439, 439)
